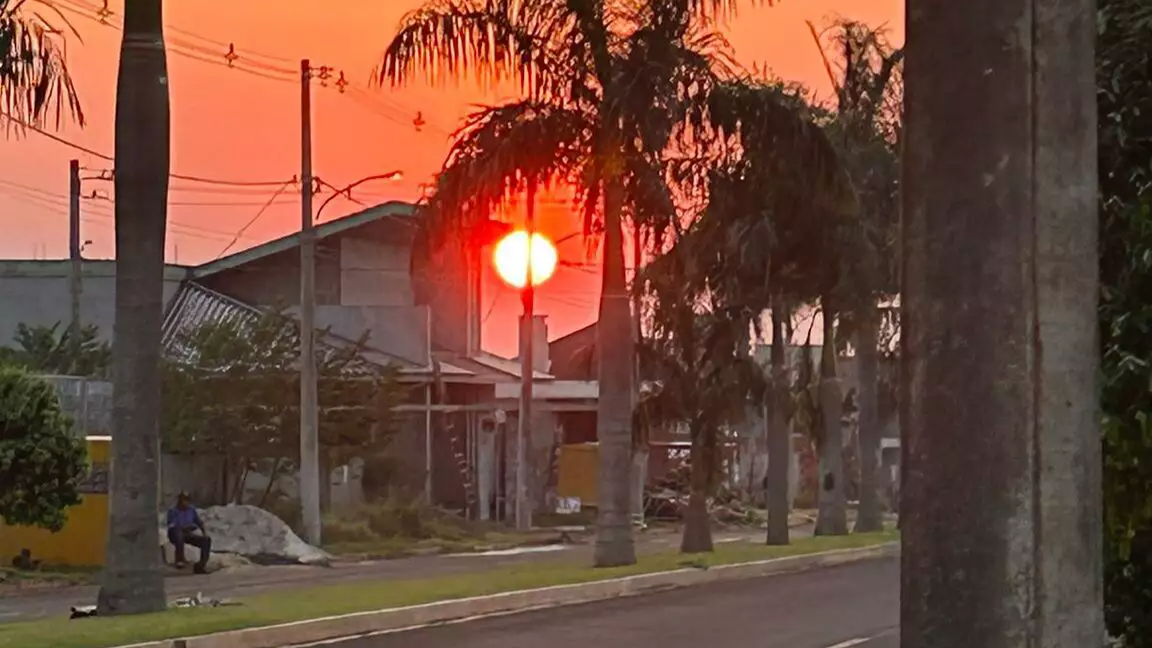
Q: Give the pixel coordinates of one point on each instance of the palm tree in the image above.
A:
(865, 74)
(766, 237)
(703, 377)
(607, 87)
(34, 78)
(132, 581)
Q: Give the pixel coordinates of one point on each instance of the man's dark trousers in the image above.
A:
(180, 537)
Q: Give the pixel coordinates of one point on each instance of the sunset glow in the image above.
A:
(511, 259)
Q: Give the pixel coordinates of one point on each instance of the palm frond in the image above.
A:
(777, 200)
(34, 79)
(494, 40)
(498, 152)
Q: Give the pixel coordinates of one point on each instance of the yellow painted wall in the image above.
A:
(82, 541)
(577, 467)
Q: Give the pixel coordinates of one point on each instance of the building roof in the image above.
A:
(553, 390)
(393, 209)
(195, 305)
(90, 268)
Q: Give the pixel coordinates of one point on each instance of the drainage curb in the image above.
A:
(357, 624)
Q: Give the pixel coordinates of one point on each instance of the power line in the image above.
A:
(253, 220)
(176, 176)
(98, 204)
(248, 62)
(105, 218)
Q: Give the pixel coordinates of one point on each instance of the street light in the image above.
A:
(524, 259)
(347, 191)
(309, 406)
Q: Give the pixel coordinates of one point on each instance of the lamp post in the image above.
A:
(525, 259)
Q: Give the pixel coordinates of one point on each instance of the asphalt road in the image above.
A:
(852, 606)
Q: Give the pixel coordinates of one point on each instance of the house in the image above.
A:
(374, 273)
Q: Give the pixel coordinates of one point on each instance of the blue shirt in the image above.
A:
(183, 518)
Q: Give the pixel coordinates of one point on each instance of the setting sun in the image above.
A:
(511, 258)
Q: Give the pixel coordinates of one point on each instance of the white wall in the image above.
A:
(37, 293)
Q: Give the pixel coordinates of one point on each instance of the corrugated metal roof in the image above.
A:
(194, 305)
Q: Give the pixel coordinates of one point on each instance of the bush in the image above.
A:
(393, 520)
(1125, 144)
(42, 466)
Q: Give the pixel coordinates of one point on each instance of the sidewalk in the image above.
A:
(250, 581)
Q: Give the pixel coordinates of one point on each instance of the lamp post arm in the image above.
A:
(391, 175)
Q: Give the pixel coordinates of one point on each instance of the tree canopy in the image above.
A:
(51, 350)
(34, 78)
(1125, 145)
(233, 392)
(41, 464)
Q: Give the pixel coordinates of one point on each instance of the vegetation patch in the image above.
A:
(316, 602)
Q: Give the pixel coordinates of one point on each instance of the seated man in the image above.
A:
(185, 527)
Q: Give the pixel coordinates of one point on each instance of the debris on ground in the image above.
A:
(88, 611)
(667, 499)
(243, 535)
(200, 601)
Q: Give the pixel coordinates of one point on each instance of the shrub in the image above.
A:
(41, 464)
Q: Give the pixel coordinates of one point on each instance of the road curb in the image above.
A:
(364, 623)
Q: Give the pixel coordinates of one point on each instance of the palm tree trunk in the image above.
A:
(614, 543)
(832, 513)
(779, 433)
(640, 448)
(868, 517)
(131, 581)
(697, 536)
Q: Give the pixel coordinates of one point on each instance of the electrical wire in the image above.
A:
(248, 62)
(96, 214)
(176, 176)
(253, 220)
(100, 205)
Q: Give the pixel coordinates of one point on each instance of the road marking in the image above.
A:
(852, 642)
(862, 640)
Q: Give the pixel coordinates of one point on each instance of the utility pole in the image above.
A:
(309, 419)
(527, 333)
(1002, 531)
(76, 263)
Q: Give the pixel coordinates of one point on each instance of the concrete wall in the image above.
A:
(399, 330)
(37, 293)
(374, 273)
(275, 279)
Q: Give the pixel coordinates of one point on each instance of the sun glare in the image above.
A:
(511, 259)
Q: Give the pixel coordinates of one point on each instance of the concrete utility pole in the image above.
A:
(309, 417)
(527, 373)
(75, 285)
(1002, 535)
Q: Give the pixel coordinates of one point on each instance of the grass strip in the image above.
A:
(329, 600)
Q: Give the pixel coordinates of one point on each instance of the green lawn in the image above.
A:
(328, 600)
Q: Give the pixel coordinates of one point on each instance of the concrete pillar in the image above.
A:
(486, 468)
(1002, 538)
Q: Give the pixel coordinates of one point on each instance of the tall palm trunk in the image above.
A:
(614, 542)
(640, 446)
(132, 582)
(779, 433)
(832, 514)
(697, 536)
(868, 517)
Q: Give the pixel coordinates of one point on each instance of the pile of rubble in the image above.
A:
(243, 535)
(667, 499)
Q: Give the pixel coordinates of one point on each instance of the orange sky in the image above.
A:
(232, 125)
